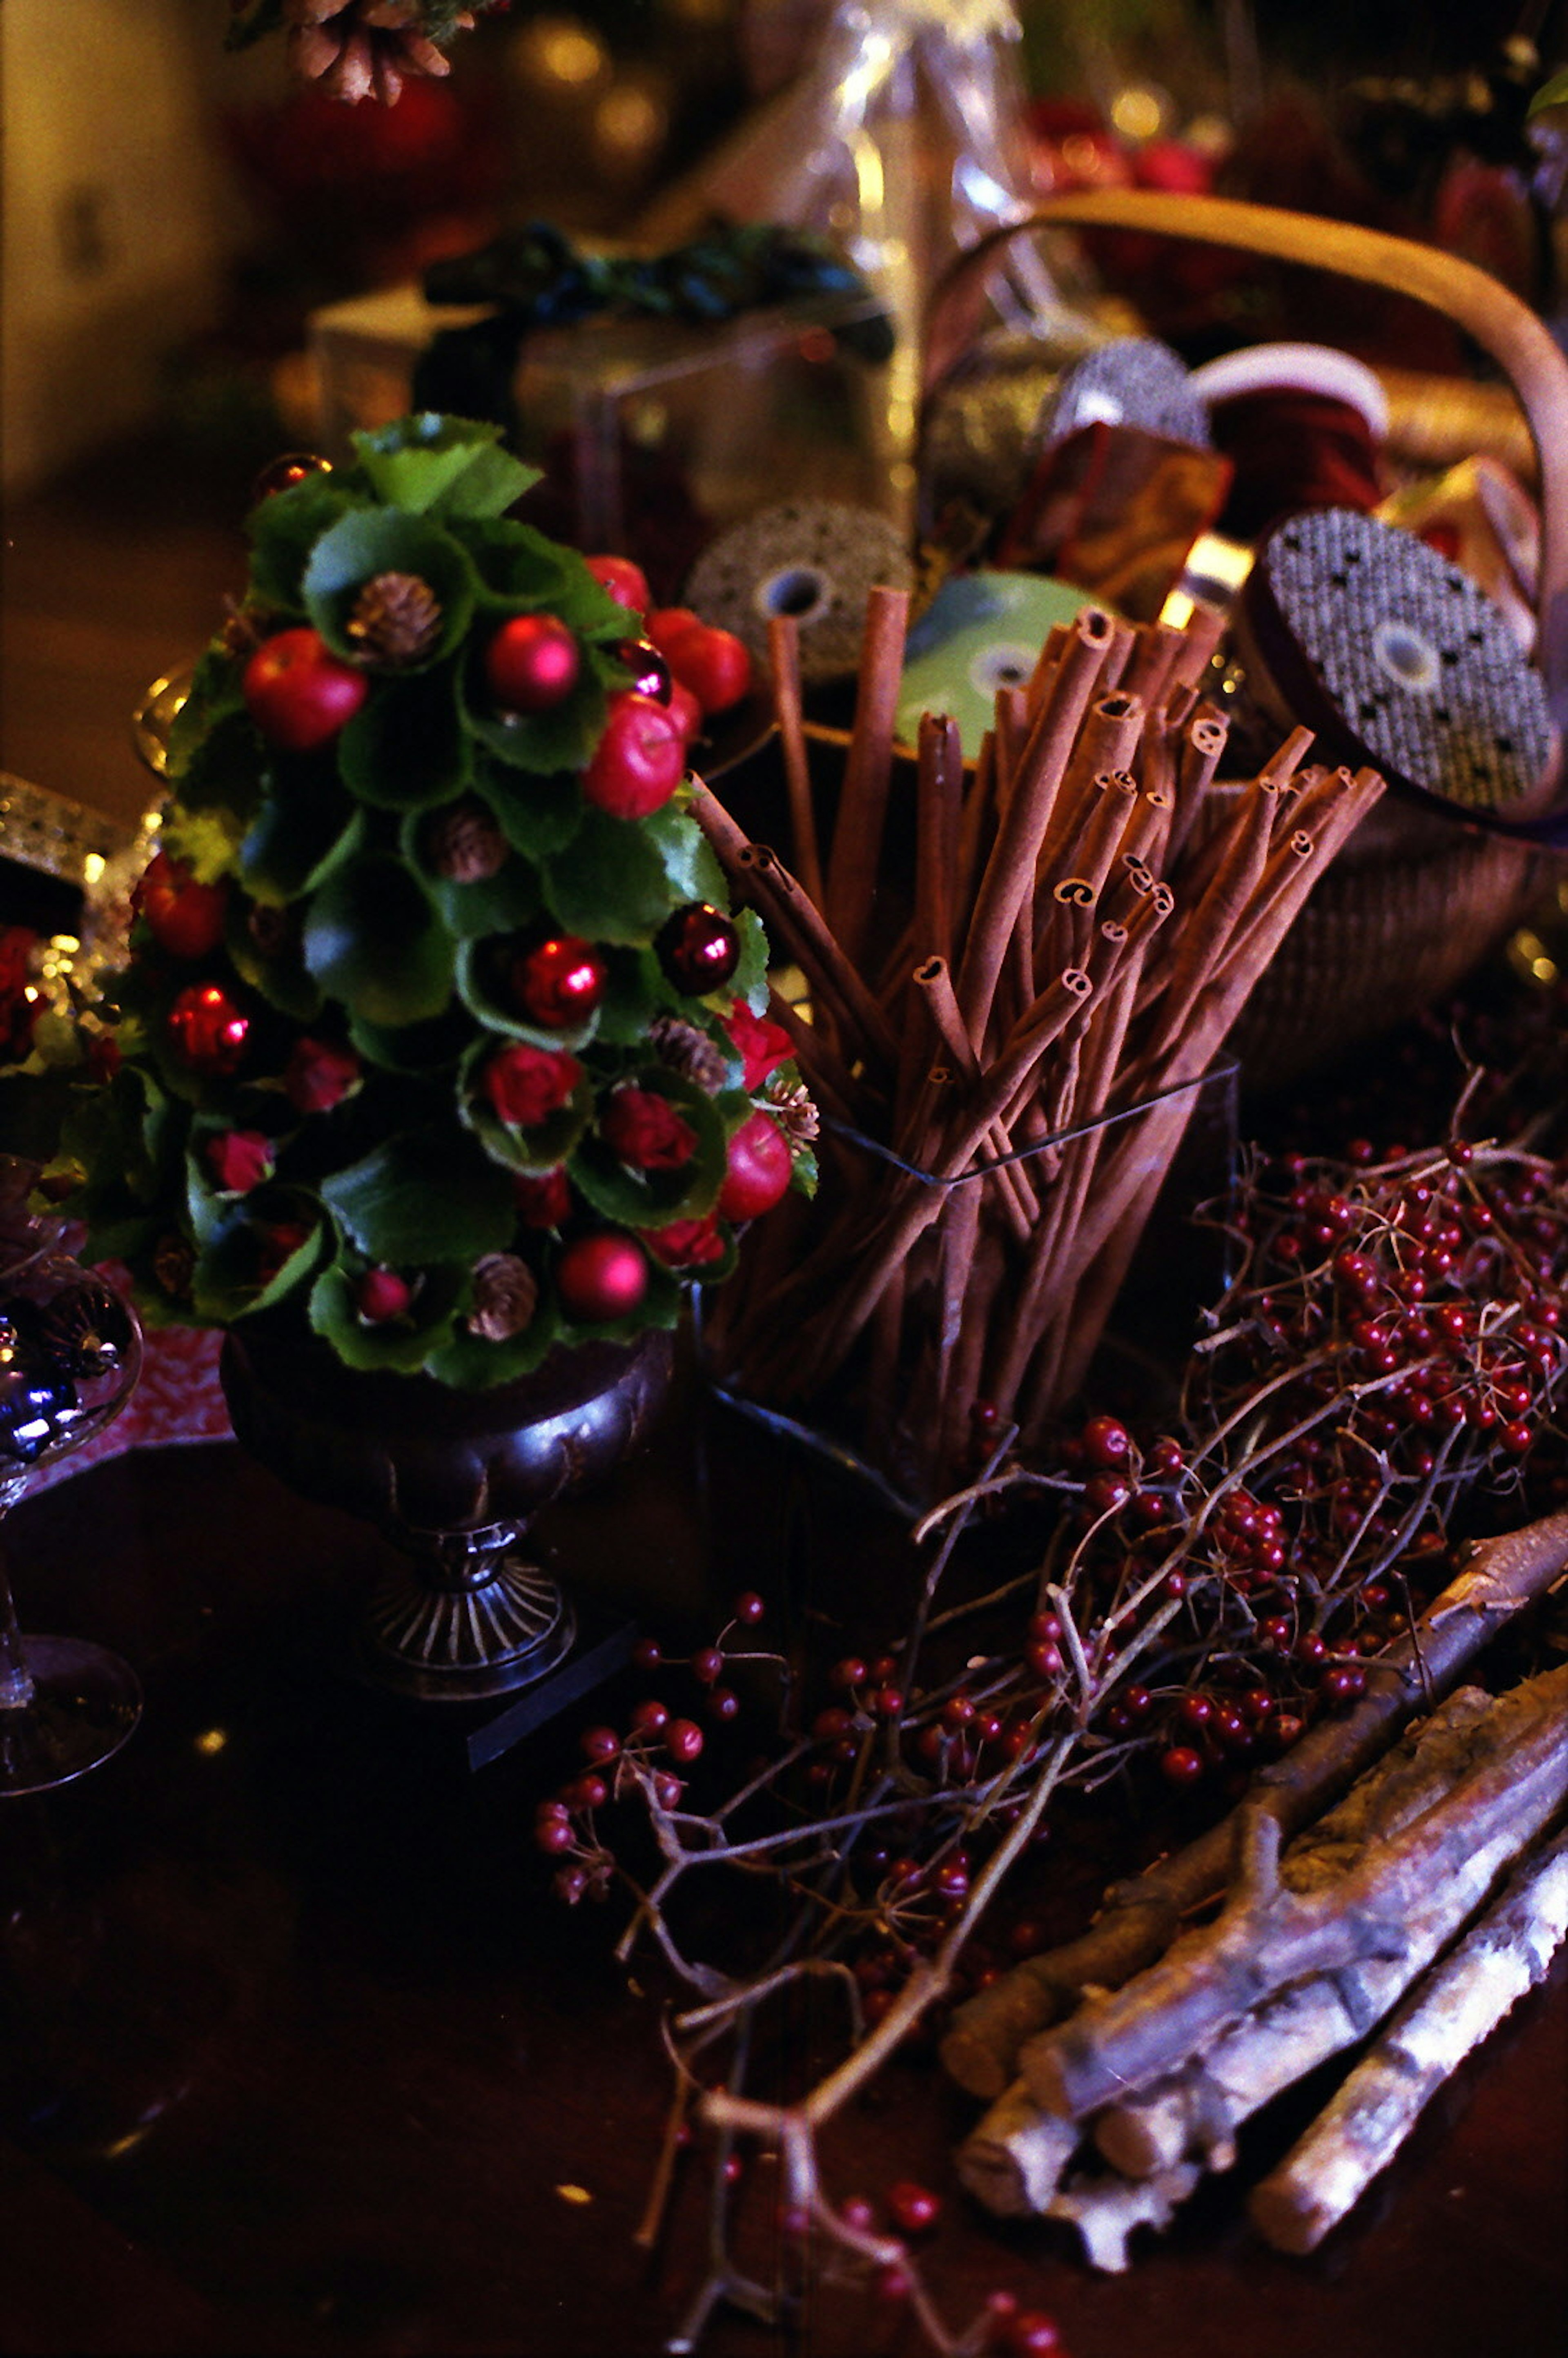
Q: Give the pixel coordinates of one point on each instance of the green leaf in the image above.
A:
(652, 1199)
(609, 883)
(634, 993)
(749, 979)
(299, 830)
(1551, 93)
(418, 1050)
(406, 748)
(368, 541)
(428, 463)
(691, 865)
(424, 1197)
(536, 814)
(226, 769)
(231, 1279)
(278, 975)
(215, 696)
(398, 1344)
(283, 531)
(469, 1364)
(375, 939)
(520, 568)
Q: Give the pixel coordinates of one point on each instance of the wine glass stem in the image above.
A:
(16, 1683)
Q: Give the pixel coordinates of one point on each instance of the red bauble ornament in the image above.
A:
(184, 917)
(698, 948)
(209, 1032)
(298, 693)
(650, 672)
(639, 759)
(601, 1277)
(759, 1171)
(532, 663)
(560, 982)
(282, 474)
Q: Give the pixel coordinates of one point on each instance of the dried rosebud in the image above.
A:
(239, 1160)
(464, 844)
(278, 1242)
(317, 1074)
(526, 1084)
(687, 1049)
(505, 1294)
(761, 1045)
(395, 620)
(543, 1198)
(646, 1130)
(102, 1056)
(688, 1244)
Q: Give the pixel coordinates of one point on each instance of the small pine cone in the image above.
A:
(505, 1292)
(395, 620)
(273, 930)
(355, 49)
(687, 1049)
(794, 1110)
(465, 844)
(244, 627)
(173, 1265)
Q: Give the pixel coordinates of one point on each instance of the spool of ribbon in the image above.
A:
(817, 560)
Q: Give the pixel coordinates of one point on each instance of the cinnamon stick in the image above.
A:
(854, 858)
(783, 661)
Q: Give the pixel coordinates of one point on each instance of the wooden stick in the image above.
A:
(1460, 2003)
(784, 662)
(855, 857)
(1498, 1579)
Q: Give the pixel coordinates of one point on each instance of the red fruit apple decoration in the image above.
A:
(602, 1277)
(298, 693)
(185, 918)
(532, 663)
(639, 759)
(208, 1031)
(626, 582)
(712, 662)
(760, 1166)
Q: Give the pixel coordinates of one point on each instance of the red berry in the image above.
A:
(748, 1607)
(1107, 1441)
(667, 623)
(1032, 2334)
(1179, 1765)
(382, 1294)
(713, 663)
(708, 1664)
(626, 582)
(651, 1718)
(724, 1702)
(560, 982)
(682, 1740)
(601, 1277)
(184, 917)
(759, 1168)
(598, 1744)
(554, 1835)
(912, 2209)
(532, 663)
(298, 693)
(639, 759)
(570, 1883)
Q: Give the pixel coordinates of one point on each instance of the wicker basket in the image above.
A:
(1418, 898)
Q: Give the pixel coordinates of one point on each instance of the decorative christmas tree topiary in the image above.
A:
(436, 1028)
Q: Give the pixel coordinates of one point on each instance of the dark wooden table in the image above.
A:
(299, 2055)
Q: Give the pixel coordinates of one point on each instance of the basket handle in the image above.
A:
(1504, 327)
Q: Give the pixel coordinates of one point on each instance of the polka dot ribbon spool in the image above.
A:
(1399, 661)
(817, 560)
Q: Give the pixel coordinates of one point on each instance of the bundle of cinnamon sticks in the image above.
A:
(1023, 1036)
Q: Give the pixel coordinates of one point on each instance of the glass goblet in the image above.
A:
(71, 1351)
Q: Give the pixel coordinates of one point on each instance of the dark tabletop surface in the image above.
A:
(298, 2054)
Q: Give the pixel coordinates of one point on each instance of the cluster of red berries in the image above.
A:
(641, 1759)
